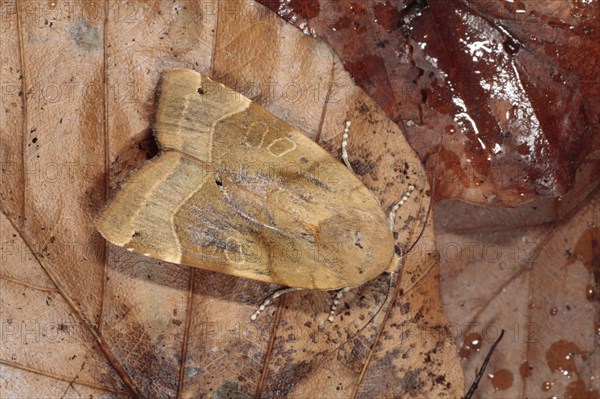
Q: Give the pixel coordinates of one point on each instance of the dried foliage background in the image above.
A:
(79, 317)
(500, 100)
(82, 318)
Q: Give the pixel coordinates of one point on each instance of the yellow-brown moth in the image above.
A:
(237, 190)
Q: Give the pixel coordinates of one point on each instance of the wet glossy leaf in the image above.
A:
(81, 317)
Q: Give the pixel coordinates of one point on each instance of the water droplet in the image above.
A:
(553, 311)
(511, 46)
(558, 359)
(590, 292)
(472, 342)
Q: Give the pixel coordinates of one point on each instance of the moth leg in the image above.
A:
(336, 302)
(345, 145)
(270, 299)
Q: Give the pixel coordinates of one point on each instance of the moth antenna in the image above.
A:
(270, 299)
(336, 302)
(405, 196)
(345, 145)
(341, 292)
(402, 201)
(391, 220)
(399, 258)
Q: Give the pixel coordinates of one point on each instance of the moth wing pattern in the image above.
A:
(239, 191)
(189, 107)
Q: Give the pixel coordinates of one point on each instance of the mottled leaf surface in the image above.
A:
(83, 318)
(533, 271)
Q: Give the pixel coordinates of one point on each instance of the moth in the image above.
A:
(239, 191)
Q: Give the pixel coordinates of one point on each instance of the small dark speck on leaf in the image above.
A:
(568, 253)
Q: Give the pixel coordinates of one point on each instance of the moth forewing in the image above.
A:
(238, 191)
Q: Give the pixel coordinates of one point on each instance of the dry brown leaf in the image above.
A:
(533, 271)
(78, 95)
(429, 64)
